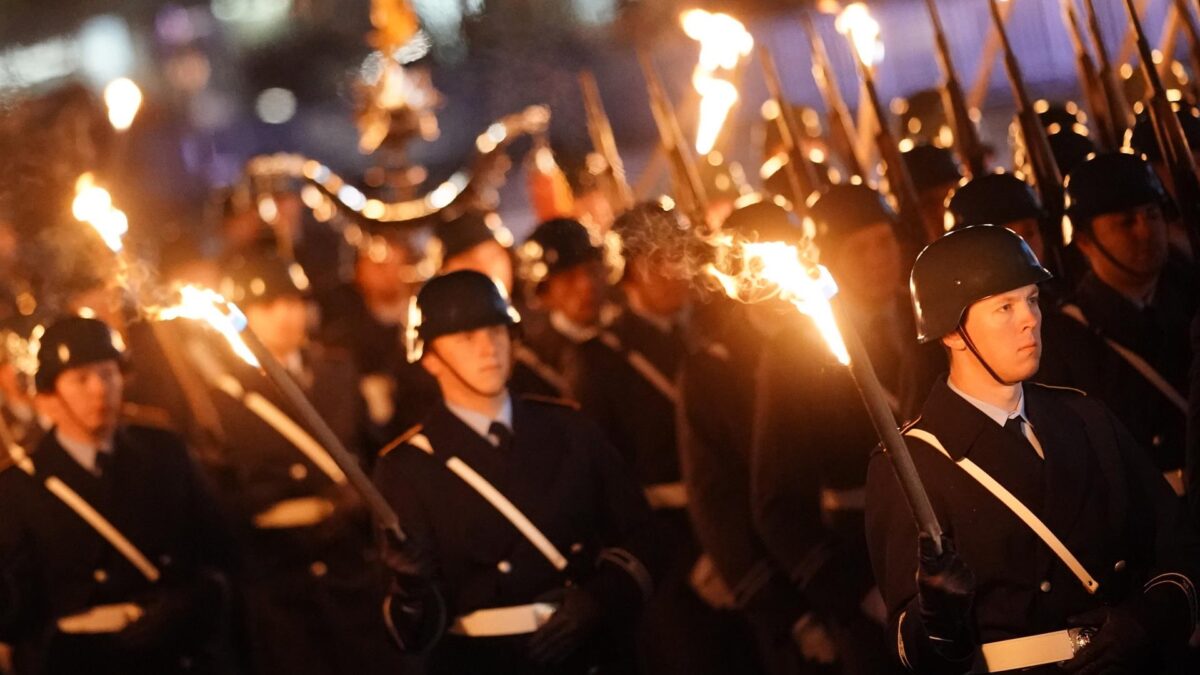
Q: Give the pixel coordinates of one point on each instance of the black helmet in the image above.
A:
(964, 267)
(931, 166)
(1111, 182)
(1059, 117)
(73, 342)
(555, 246)
(923, 116)
(467, 231)
(453, 303)
(994, 199)
(262, 278)
(1141, 138)
(1070, 149)
(758, 219)
(844, 209)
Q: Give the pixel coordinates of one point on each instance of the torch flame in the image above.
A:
(123, 99)
(857, 23)
(93, 205)
(724, 41)
(208, 306)
(776, 270)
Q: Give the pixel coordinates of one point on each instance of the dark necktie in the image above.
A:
(501, 435)
(1016, 427)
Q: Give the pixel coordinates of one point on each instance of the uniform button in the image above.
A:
(318, 569)
(1120, 566)
(100, 576)
(298, 471)
(1157, 440)
(164, 560)
(576, 547)
(504, 566)
(1045, 587)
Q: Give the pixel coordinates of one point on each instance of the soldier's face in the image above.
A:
(1028, 230)
(281, 324)
(1007, 331)
(481, 359)
(87, 400)
(576, 293)
(1137, 238)
(866, 264)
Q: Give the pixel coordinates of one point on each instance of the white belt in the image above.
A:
(500, 621)
(102, 619)
(852, 499)
(1034, 650)
(298, 512)
(666, 495)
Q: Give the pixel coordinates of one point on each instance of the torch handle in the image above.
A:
(385, 517)
(884, 421)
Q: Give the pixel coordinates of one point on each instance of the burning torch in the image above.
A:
(767, 270)
(856, 23)
(966, 137)
(1177, 155)
(724, 42)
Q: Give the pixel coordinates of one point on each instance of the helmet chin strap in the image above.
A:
(1112, 259)
(962, 330)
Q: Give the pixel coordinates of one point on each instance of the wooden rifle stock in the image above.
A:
(1118, 109)
(966, 137)
(689, 191)
(1106, 131)
(603, 141)
(801, 175)
(841, 134)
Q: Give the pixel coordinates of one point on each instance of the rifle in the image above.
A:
(603, 140)
(966, 137)
(689, 191)
(1176, 153)
(841, 134)
(1046, 176)
(1107, 133)
(1117, 107)
(1185, 17)
(801, 175)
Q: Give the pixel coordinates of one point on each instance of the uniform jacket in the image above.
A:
(1096, 490)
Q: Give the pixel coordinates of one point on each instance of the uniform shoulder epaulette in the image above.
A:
(400, 440)
(1059, 388)
(141, 415)
(551, 400)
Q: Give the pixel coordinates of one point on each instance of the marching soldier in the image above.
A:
(516, 509)
(309, 567)
(1141, 140)
(564, 272)
(812, 436)
(934, 173)
(1139, 297)
(1062, 541)
(110, 549)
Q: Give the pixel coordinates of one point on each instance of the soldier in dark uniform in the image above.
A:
(564, 272)
(110, 549)
(1054, 518)
(934, 174)
(516, 509)
(625, 379)
(474, 241)
(1139, 297)
(812, 436)
(1141, 139)
(367, 319)
(311, 578)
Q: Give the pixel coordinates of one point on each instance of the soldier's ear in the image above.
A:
(431, 363)
(954, 342)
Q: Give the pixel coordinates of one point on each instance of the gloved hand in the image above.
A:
(813, 639)
(414, 610)
(180, 613)
(945, 593)
(577, 618)
(1120, 646)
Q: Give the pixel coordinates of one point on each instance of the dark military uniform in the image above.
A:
(311, 588)
(55, 565)
(541, 354)
(1095, 489)
(567, 480)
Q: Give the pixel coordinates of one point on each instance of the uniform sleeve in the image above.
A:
(18, 567)
(393, 477)
(587, 370)
(1193, 428)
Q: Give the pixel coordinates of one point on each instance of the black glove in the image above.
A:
(414, 610)
(1121, 645)
(577, 618)
(945, 593)
(178, 613)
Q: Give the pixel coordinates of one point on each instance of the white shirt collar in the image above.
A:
(481, 423)
(996, 413)
(571, 330)
(81, 451)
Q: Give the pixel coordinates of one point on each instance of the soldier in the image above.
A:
(309, 567)
(110, 549)
(518, 511)
(1070, 149)
(1138, 297)
(812, 437)
(475, 241)
(1054, 518)
(934, 173)
(1141, 140)
(564, 272)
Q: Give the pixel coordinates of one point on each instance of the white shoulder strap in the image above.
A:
(1141, 365)
(542, 369)
(642, 365)
(1019, 509)
(89, 515)
(498, 502)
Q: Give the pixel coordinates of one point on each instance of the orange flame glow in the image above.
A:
(724, 42)
(856, 23)
(209, 307)
(93, 205)
(767, 270)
